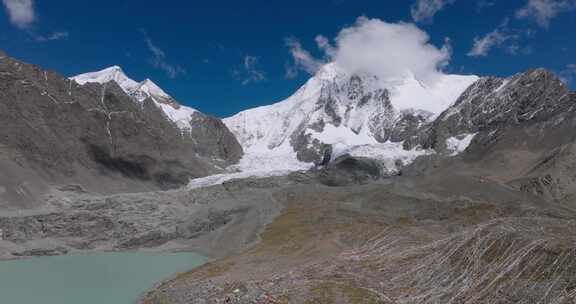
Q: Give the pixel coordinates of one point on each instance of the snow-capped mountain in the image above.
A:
(140, 91)
(56, 131)
(340, 112)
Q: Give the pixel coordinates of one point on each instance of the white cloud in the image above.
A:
(503, 37)
(21, 12)
(497, 38)
(372, 46)
(388, 50)
(303, 60)
(159, 59)
(323, 43)
(424, 10)
(52, 37)
(250, 72)
(542, 11)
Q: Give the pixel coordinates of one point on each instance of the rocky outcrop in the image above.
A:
(55, 131)
(347, 170)
(523, 132)
(491, 105)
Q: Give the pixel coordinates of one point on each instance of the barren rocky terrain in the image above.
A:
(442, 238)
(482, 211)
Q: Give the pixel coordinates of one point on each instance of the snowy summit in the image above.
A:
(352, 113)
(140, 91)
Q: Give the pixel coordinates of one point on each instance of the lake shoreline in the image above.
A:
(115, 277)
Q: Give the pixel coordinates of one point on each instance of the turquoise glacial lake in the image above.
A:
(104, 278)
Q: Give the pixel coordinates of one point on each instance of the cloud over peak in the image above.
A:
(373, 46)
(20, 12)
(303, 60)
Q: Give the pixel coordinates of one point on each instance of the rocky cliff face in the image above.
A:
(492, 104)
(520, 131)
(56, 131)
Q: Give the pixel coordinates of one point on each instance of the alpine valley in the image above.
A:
(355, 189)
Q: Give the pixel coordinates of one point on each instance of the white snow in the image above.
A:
(268, 129)
(457, 144)
(504, 83)
(341, 138)
(254, 164)
(180, 115)
(151, 89)
(410, 93)
(388, 153)
(113, 73)
(265, 132)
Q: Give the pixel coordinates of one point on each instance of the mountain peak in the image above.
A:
(150, 88)
(140, 90)
(113, 68)
(113, 73)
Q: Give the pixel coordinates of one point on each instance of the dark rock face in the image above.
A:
(348, 170)
(54, 131)
(491, 105)
(524, 133)
(213, 139)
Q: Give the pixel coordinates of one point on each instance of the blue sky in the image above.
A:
(225, 56)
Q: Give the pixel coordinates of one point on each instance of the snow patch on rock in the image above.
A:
(392, 156)
(458, 144)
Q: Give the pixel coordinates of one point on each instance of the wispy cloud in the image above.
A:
(495, 39)
(159, 59)
(61, 35)
(250, 71)
(542, 11)
(425, 10)
(484, 4)
(302, 59)
(568, 75)
(508, 37)
(21, 12)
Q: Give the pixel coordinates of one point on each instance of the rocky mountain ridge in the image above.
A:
(56, 132)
